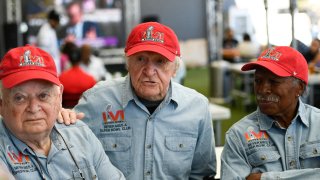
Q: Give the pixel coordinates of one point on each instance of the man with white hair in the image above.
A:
(32, 145)
(150, 126)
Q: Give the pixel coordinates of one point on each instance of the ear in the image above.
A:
(61, 92)
(177, 65)
(301, 88)
(1, 106)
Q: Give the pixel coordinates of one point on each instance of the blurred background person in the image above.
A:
(314, 65)
(230, 44)
(92, 64)
(65, 62)
(248, 49)
(47, 38)
(313, 50)
(74, 80)
(77, 29)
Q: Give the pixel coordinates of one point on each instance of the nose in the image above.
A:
(263, 87)
(150, 69)
(34, 105)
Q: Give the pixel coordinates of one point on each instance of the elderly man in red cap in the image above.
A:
(32, 144)
(150, 126)
(280, 140)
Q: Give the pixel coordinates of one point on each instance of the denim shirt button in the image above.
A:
(263, 157)
(292, 163)
(315, 151)
(114, 145)
(148, 146)
(148, 173)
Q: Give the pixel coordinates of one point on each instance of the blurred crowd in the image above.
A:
(79, 69)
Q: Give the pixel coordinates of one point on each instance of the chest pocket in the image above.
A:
(119, 152)
(310, 155)
(178, 154)
(117, 144)
(261, 157)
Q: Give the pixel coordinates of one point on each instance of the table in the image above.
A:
(113, 59)
(245, 78)
(218, 113)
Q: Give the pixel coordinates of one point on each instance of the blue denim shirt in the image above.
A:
(175, 142)
(86, 150)
(256, 144)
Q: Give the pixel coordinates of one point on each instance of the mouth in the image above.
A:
(34, 120)
(149, 82)
(267, 100)
(263, 102)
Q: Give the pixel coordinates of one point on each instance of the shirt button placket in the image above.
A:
(148, 173)
(291, 151)
(148, 156)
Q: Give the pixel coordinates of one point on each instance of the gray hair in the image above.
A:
(297, 82)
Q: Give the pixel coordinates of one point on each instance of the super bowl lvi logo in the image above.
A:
(27, 59)
(112, 116)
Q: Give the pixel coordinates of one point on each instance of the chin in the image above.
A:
(152, 98)
(267, 111)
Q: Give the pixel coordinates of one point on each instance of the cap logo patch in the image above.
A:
(149, 35)
(28, 60)
(272, 54)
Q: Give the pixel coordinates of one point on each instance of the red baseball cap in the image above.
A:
(155, 37)
(283, 61)
(26, 63)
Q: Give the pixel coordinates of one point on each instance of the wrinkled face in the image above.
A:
(31, 108)
(150, 74)
(276, 96)
(74, 14)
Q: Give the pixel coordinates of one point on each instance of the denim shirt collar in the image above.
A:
(24, 148)
(129, 95)
(21, 146)
(265, 122)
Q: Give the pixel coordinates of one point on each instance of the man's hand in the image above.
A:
(68, 116)
(254, 176)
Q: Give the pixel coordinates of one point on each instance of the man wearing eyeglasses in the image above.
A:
(32, 146)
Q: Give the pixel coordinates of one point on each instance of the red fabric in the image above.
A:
(155, 37)
(75, 82)
(283, 61)
(26, 63)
